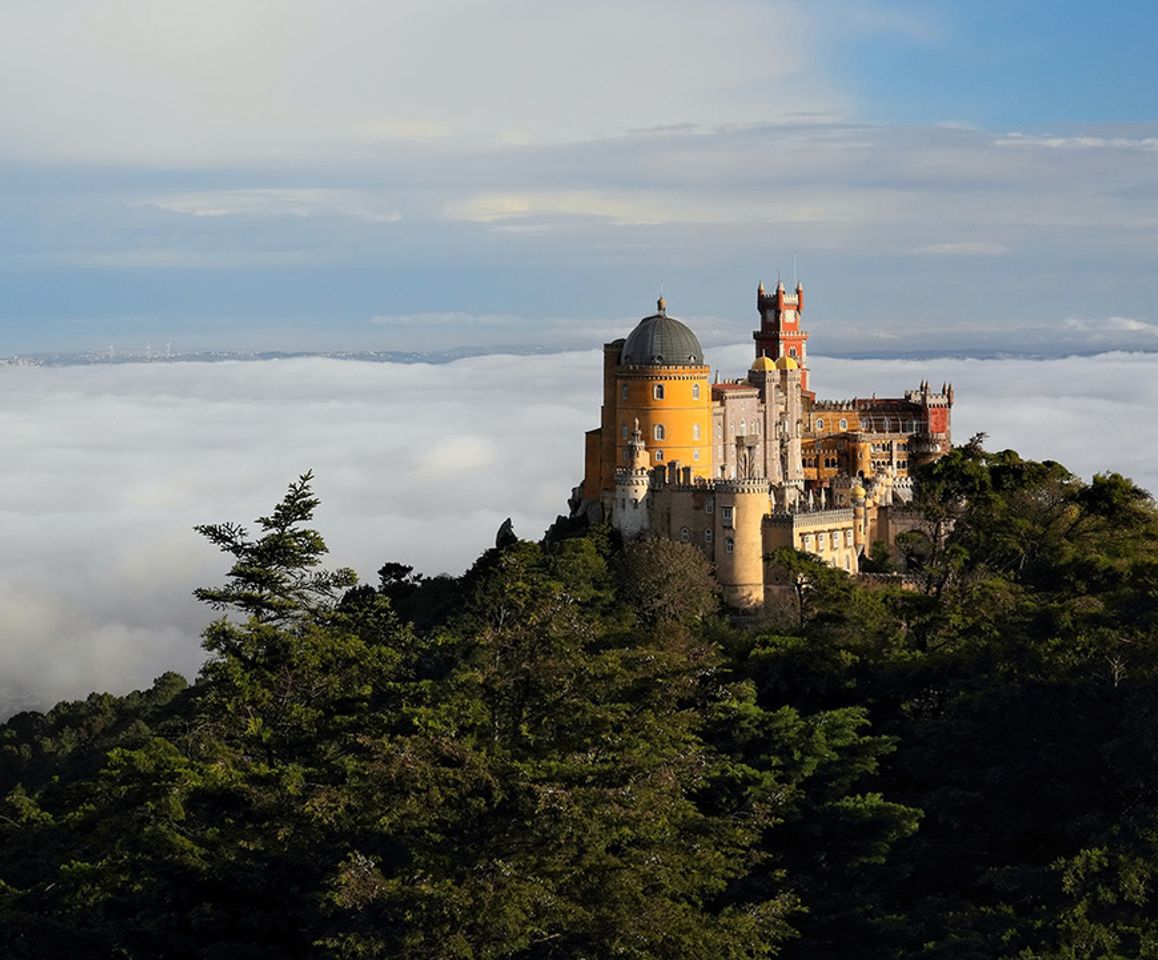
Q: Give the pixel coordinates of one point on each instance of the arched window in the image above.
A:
(708, 536)
(792, 352)
(659, 431)
(756, 427)
(743, 427)
(657, 391)
(843, 424)
(695, 391)
(695, 431)
(658, 456)
(819, 423)
(696, 454)
(729, 545)
(685, 535)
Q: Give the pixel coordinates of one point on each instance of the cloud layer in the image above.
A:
(108, 468)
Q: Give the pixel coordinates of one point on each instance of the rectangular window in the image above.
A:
(726, 512)
(710, 505)
(623, 392)
(708, 537)
(695, 454)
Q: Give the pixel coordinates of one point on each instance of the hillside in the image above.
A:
(570, 751)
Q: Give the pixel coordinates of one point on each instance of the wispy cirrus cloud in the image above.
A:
(278, 202)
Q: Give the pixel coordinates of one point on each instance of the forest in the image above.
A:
(572, 751)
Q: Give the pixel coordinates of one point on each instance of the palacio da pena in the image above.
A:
(740, 468)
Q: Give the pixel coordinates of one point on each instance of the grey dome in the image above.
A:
(660, 340)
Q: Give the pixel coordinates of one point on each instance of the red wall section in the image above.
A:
(939, 420)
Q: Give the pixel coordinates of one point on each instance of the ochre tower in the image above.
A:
(741, 506)
(780, 334)
(655, 379)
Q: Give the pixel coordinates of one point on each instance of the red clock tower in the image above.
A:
(780, 334)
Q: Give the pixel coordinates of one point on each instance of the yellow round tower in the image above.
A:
(741, 506)
(661, 382)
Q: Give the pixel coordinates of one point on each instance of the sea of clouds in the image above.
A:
(108, 467)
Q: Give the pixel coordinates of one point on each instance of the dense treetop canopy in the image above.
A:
(571, 751)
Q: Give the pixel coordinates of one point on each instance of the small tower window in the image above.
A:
(659, 431)
(657, 391)
(792, 352)
(729, 545)
(695, 391)
(696, 454)
(623, 391)
(727, 515)
(695, 431)
(658, 456)
(623, 430)
(708, 537)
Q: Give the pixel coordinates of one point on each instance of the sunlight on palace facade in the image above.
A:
(742, 467)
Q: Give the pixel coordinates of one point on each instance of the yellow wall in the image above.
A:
(678, 412)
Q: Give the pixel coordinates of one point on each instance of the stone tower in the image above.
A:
(780, 333)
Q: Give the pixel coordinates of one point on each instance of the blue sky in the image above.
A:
(282, 174)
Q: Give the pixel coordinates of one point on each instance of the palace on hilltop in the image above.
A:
(742, 467)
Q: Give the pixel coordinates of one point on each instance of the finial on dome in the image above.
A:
(661, 304)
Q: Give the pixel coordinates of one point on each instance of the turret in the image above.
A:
(741, 506)
(780, 334)
(629, 514)
(858, 517)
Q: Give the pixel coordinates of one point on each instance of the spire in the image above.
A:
(760, 289)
